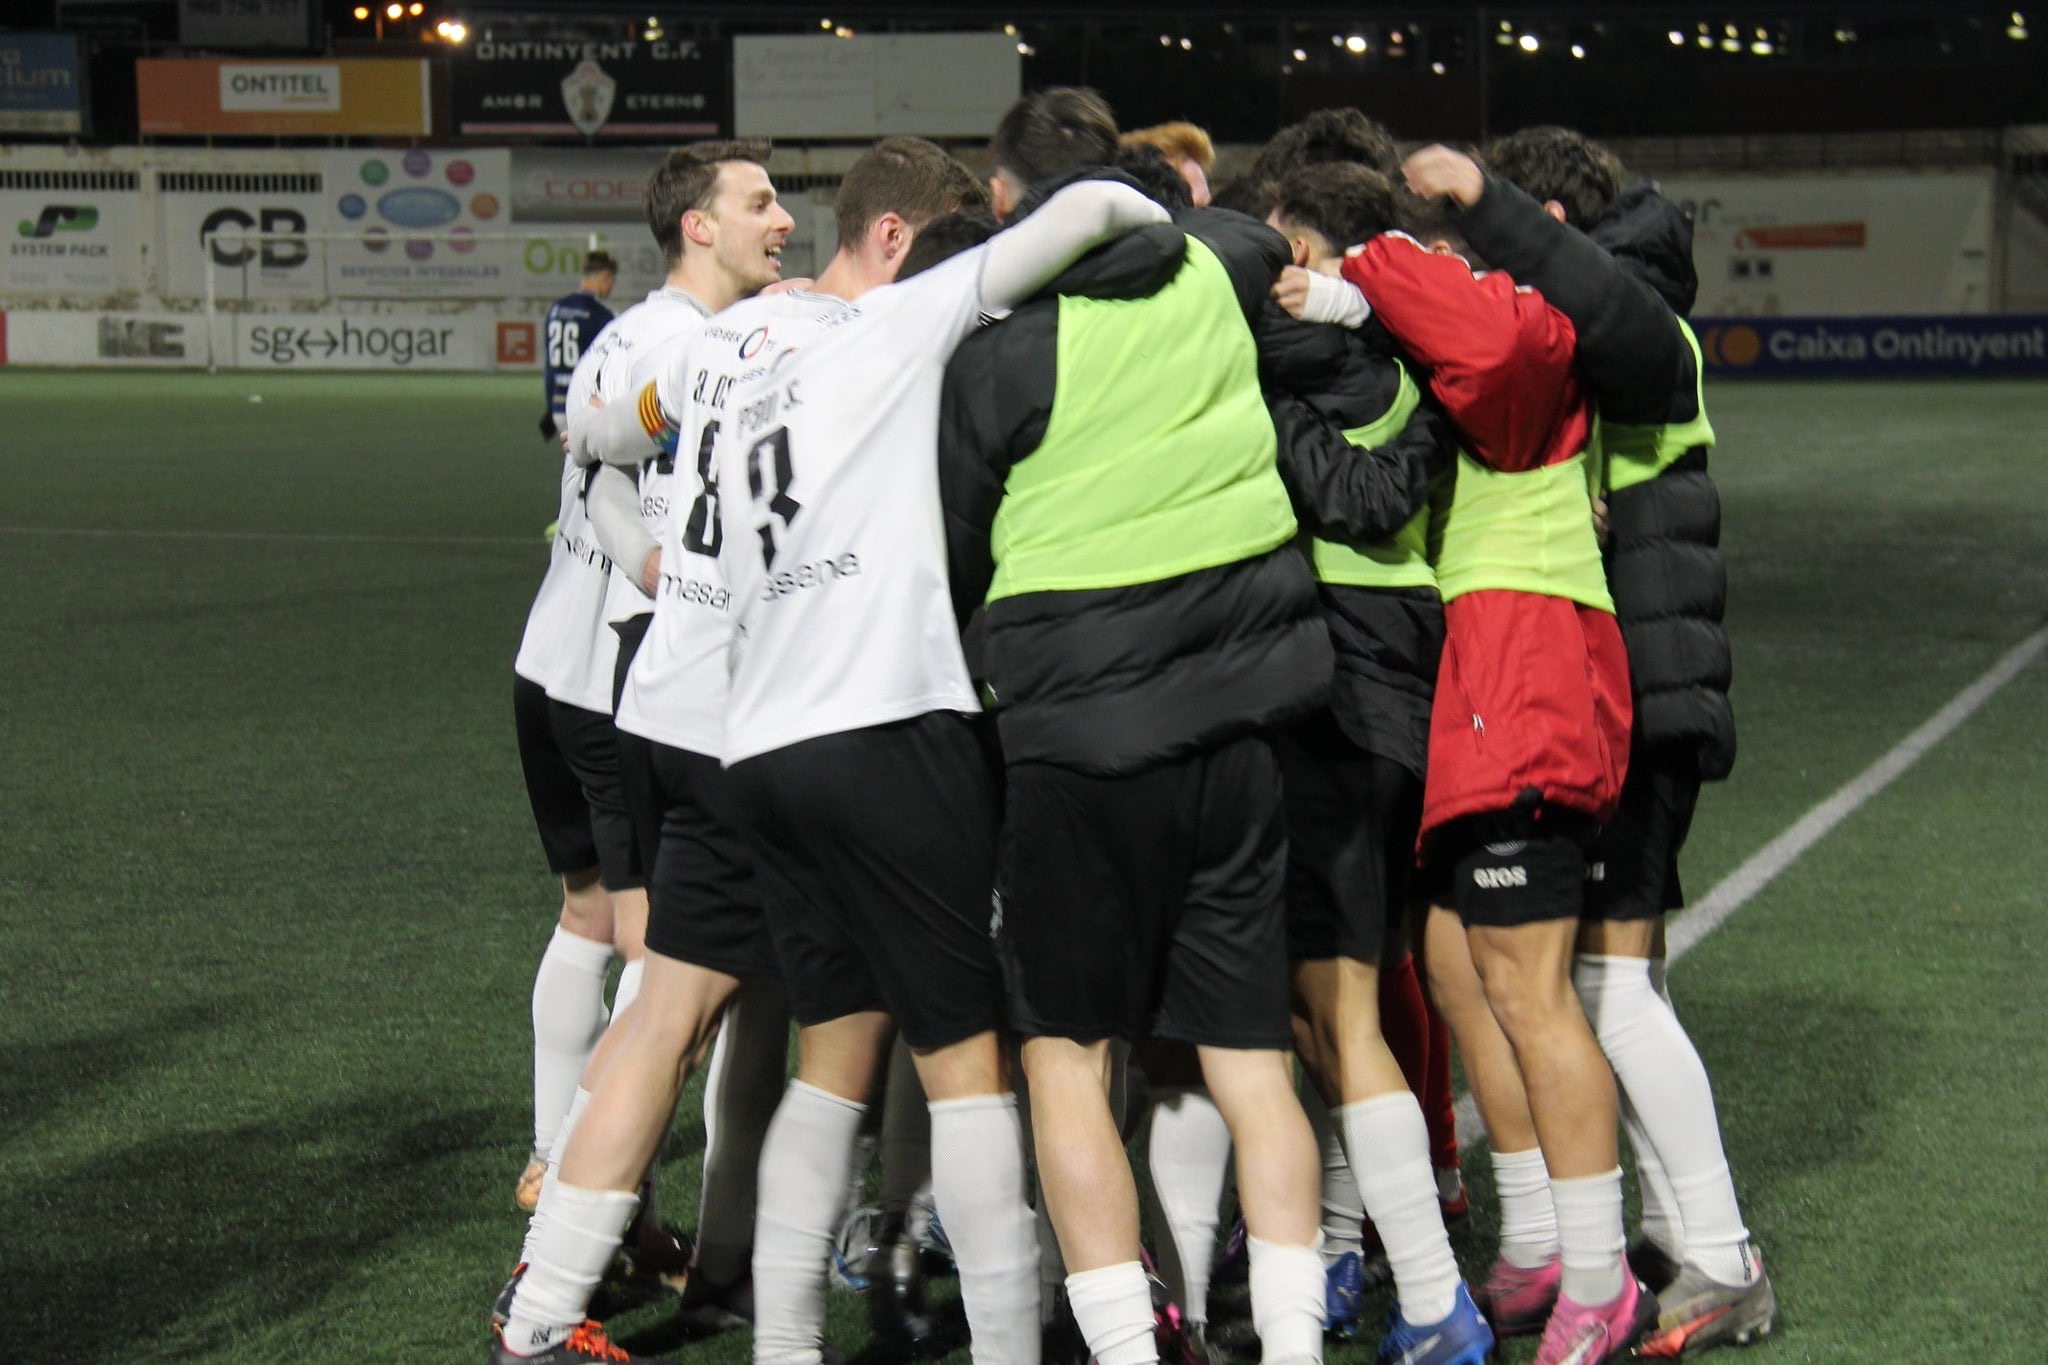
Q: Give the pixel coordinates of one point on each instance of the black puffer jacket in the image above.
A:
(1323, 381)
(1623, 285)
(1117, 680)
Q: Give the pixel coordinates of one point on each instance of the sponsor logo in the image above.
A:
(398, 345)
(697, 591)
(1737, 346)
(518, 343)
(419, 207)
(295, 88)
(1420, 1350)
(137, 339)
(56, 218)
(755, 340)
(223, 231)
(1500, 878)
(818, 574)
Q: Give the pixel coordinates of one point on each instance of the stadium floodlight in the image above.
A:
(1300, 55)
(1355, 43)
(394, 10)
(1437, 68)
(1529, 42)
(1187, 45)
(362, 12)
(1677, 38)
(1579, 51)
(416, 9)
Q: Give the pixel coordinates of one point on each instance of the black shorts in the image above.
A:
(875, 853)
(1632, 868)
(1149, 905)
(703, 904)
(1509, 869)
(571, 760)
(1352, 816)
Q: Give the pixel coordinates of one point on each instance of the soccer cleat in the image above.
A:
(1698, 1313)
(1343, 1288)
(708, 1309)
(1653, 1265)
(851, 1249)
(1173, 1338)
(1450, 1193)
(653, 1254)
(586, 1343)
(1579, 1335)
(1518, 1302)
(1462, 1338)
(526, 1194)
(894, 1271)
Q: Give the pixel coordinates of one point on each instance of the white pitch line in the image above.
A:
(1688, 927)
(321, 537)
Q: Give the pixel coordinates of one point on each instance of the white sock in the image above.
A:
(802, 1189)
(1589, 1237)
(548, 1183)
(1666, 1083)
(580, 1237)
(1389, 1147)
(749, 1067)
(568, 1018)
(1287, 1301)
(1188, 1154)
(1528, 1220)
(1343, 1210)
(1661, 1223)
(977, 1161)
(1113, 1307)
(628, 989)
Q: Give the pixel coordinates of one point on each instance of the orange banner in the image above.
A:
(386, 97)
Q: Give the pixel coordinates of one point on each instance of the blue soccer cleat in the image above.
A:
(1463, 1338)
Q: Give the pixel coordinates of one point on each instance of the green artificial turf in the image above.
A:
(272, 901)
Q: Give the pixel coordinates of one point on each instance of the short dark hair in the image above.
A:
(599, 263)
(1433, 220)
(1552, 163)
(1053, 132)
(1328, 135)
(687, 179)
(946, 237)
(1155, 175)
(1253, 196)
(1345, 202)
(914, 179)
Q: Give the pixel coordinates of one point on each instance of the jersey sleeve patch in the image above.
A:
(655, 422)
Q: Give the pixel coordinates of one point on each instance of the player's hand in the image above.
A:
(650, 571)
(1437, 171)
(1290, 291)
(1602, 527)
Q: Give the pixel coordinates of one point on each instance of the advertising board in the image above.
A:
(365, 97)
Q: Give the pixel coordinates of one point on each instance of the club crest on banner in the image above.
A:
(588, 92)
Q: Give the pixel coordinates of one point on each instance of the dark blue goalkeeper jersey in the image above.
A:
(573, 323)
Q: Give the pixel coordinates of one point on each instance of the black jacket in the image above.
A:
(1623, 285)
(1117, 680)
(1323, 381)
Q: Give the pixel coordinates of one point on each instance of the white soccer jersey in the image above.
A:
(567, 648)
(828, 484)
(675, 691)
(633, 349)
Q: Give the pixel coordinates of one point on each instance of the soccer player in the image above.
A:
(1112, 497)
(715, 214)
(573, 323)
(1552, 211)
(1529, 725)
(1187, 150)
(1361, 453)
(849, 741)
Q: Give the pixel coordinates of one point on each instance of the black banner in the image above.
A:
(663, 89)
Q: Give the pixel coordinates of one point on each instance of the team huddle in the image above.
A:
(1094, 635)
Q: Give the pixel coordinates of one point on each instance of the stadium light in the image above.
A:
(1579, 51)
(1677, 38)
(1187, 45)
(843, 31)
(1300, 54)
(1009, 30)
(1026, 50)
(394, 10)
(416, 9)
(1355, 43)
(825, 24)
(1529, 42)
(362, 12)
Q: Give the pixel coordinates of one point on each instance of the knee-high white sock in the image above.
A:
(1343, 1210)
(571, 1254)
(568, 1018)
(551, 1181)
(748, 1070)
(1661, 1221)
(1388, 1142)
(1666, 1083)
(802, 1194)
(906, 1142)
(1188, 1154)
(1287, 1301)
(1589, 1237)
(1113, 1307)
(977, 1163)
(628, 989)
(1528, 1220)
